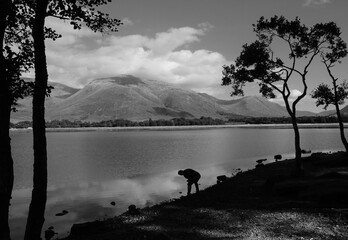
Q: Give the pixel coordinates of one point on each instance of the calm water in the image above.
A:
(88, 170)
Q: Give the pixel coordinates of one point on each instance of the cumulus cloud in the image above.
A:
(316, 2)
(81, 56)
(294, 93)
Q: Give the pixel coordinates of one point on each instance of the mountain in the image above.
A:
(132, 98)
(255, 106)
(135, 99)
(344, 112)
(58, 94)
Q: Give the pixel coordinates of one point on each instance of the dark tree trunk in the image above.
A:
(298, 157)
(6, 162)
(340, 122)
(36, 216)
(339, 118)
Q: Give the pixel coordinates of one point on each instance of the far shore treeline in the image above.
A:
(179, 122)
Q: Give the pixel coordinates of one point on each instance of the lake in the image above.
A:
(88, 170)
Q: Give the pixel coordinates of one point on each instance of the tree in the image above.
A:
(330, 56)
(77, 12)
(39, 194)
(6, 162)
(15, 58)
(258, 63)
(333, 96)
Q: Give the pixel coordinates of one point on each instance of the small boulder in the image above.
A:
(133, 210)
(49, 233)
(64, 212)
(305, 151)
(261, 160)
(221, 178)
(277, 157)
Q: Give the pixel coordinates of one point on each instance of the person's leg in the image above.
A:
(197, 187)
(189, 188)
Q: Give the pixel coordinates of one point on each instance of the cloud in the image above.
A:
(316, 2)
(294, 93)
(127, 22)
(81, 56)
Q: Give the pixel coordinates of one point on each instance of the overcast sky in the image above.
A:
(184, 42)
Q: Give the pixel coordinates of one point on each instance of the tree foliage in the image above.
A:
(18, 52)
(325, 95)
(258, 62)
(330, 56)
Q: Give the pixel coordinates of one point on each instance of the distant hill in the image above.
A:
(135, 99)
(255, 106)
(59, 93)
(344, 112)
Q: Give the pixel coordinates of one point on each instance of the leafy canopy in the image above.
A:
(17, 51)
(326, 95)
(257, 61)
(330, 56)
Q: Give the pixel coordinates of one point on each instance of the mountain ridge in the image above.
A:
(133, 98)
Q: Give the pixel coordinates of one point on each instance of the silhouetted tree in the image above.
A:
(39, 194)
(77, 12)
(339, 92)
(335, 96)
(6, 162)
(258, 63)
(15, 58)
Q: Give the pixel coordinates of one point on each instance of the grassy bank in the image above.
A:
(268, 202)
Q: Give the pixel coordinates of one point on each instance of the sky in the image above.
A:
(183, 42)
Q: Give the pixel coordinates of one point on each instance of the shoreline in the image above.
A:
(193, 127)
(264, 203)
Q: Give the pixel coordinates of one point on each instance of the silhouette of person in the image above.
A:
(192, 177)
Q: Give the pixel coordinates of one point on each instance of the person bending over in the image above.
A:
(192, 177)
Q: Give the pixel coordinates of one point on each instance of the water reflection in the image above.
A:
(88, 170)
(88, 201)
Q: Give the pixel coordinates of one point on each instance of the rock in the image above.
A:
(261, 160)
(113, 203)
(277, 157)
(133, 210)
(64, 212)
(221, 178)
(304, 151)
(49, 233)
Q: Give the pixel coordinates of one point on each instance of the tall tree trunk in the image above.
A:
(36, 216)
(298, 157)
(6, 161)
(338, 112)
(340, 122)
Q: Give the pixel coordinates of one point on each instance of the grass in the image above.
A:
(268, 202)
